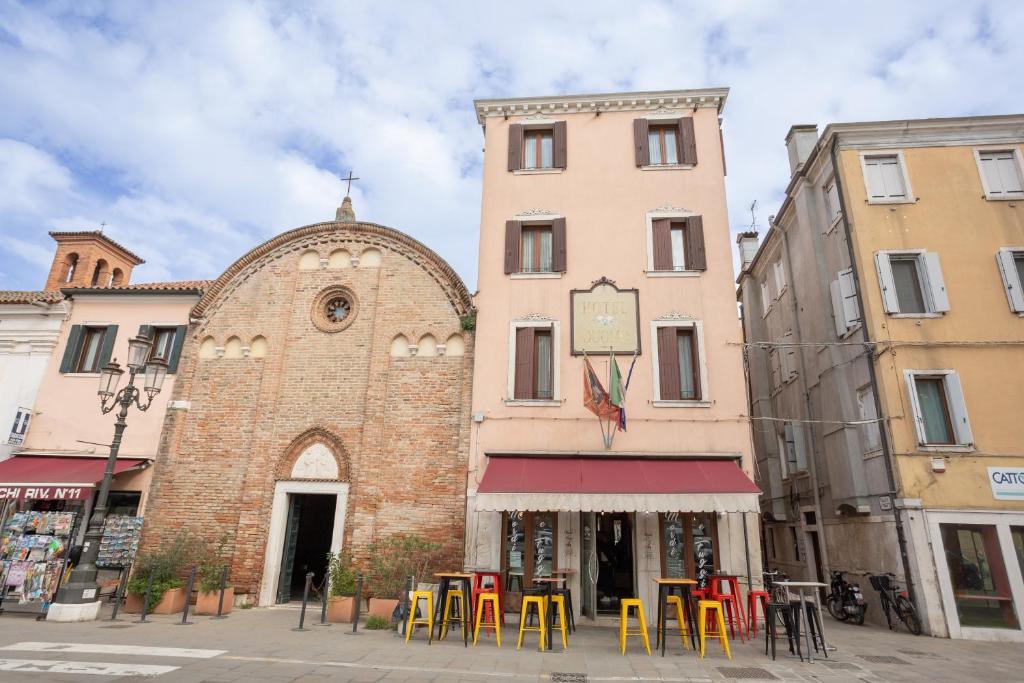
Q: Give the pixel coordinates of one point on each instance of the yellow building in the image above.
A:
(884, 316)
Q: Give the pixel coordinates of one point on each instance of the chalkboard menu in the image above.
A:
(515, 547)
(675, 562)
(703, 553)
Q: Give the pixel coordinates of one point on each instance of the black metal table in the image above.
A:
(665, 588)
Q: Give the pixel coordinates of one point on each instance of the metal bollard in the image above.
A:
(119, 594)
(188, 597)
(223, 586)
(359, 605)
(145, 600)
(305, 598)
(324, 597)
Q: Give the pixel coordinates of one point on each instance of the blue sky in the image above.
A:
(197, 130)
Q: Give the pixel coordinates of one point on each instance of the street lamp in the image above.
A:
(81, 587)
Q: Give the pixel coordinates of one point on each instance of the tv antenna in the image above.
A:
(753, 216)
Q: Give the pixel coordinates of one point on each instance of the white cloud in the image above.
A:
(221, 124)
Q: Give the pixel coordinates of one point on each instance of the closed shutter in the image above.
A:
(695, 257)
(687, 141)
(892, 176)
(640, 142)
(958, 409)
(838, 314)
(936, 284)
(1011, 281)
(799, 445)
(147, 332)
(179, 341)
(559, 143)
(515, 146)
(558, 259)
(886, 283)
(873, 178)
(513, 234)
(524, 363)
(661, 243)
(71, 351)
(107, 349)
(668, 364)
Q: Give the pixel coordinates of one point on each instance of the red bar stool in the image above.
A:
(480, 585)
(730, 612)
(718, 584)
(755, 598)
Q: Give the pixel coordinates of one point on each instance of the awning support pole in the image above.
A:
(746, 550)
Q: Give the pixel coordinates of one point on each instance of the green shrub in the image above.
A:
(165, 564)
(343, 576)
(212, 560)
(375, 622)
(394, 559)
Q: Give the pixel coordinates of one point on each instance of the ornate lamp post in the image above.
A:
(81, 587)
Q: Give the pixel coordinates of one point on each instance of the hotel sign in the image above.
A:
(604, 319)
(1007, 483)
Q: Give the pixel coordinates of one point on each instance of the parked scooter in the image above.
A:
(845, 602)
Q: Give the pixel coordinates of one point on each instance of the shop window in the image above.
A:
(980, 586)
(688, 546)
(1017, 534)
(529, 548)
(124, 503)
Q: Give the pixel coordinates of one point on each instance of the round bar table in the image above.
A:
(665, 588)
(446, 579)
(550, 582)
(801, 587)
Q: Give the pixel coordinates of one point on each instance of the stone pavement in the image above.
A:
(260, 645)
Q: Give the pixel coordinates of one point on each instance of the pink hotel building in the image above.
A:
(604, 227)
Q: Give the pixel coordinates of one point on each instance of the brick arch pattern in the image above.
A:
(335, 233)
(303, 441)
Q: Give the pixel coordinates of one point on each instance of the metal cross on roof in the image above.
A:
(349, 179)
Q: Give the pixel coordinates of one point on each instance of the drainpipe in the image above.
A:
(887, 456)
(812, 460)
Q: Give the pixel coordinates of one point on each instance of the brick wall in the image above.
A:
(400, 426)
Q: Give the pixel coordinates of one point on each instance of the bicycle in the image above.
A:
(779, 594)
(895, 598)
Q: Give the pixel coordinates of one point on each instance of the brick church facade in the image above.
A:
(322, 402)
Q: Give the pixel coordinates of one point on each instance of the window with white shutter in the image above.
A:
(1011, 269)
(885, 178)
(911, 282)
(872, 439)
(766, 299)
(845, 306)
(832, 207)
(792, 449)
(779, 271)
(940, 411)
(1000, 173)
(775, 367)
(787, 358)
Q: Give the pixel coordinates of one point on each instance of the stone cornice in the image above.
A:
(625, 101)
(370, 233)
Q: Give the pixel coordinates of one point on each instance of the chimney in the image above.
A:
(747, 242)
(800, 141)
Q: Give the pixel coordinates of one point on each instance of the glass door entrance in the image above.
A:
(611, 560)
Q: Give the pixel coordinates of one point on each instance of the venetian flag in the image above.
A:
(595, 398)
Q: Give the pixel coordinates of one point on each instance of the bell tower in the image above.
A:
(89, 258)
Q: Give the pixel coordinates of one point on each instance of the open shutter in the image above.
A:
(721, 142)
(668, 364)
(687, 141)
(766, 299)
(958, 409)
(1011, 282)
(916, 407)
(851, 305)
(524, 364)
(886, 283)
(107, 349)
(74, 347)
(661, 242)
(559, 144)
(936, 285)
(788, 358)
(695, 256)
(838, 314)
(515, 146)
(146, 331)
(799, 445)
(179, 341)
(774, 366)
(558, 245)
(513, 234)
(640, 142)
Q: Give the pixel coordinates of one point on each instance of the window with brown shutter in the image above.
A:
(535, 250)
(524, 363)
(678, 244)
(663, 144)
(695, 257)
(534, 364)
(559, 138)
(538, 148)
(640, 142)
(513, 229)
(687, 141)
(515, 146)
(678, 364)
(540, 247)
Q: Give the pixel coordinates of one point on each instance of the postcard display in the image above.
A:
(34, 551)
(120, 542)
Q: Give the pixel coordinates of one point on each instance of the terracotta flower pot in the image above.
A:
(172, 602)
(206, 602)
(340, 609)
(382, 607)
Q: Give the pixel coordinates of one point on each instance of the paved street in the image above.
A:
(260, 645)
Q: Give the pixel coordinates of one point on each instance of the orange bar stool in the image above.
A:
(624, 631)
(491, 601)
(711, 610)
(484, 582)
(755, 598)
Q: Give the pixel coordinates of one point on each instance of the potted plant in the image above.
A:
(340, 602)
(211, 567)
(392, 561)
(164, 564)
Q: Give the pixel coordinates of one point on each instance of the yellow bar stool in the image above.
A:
(712, 609)
(684, 631)
(427, 621)
(624, 632)
(558, 604)
(494, 624)
(542, 627)
(453, 600)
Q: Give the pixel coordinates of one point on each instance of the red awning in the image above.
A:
(616, 484)
(45, 477)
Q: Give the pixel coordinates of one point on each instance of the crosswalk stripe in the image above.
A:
(96, 668)
(102, 649)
